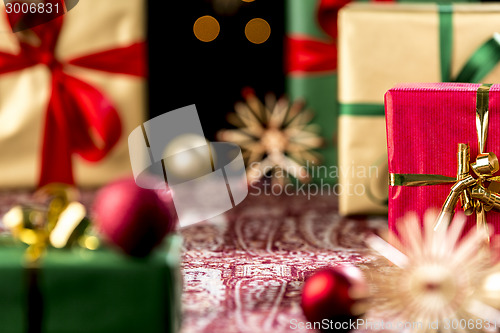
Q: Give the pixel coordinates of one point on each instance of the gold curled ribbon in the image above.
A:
(474, 195)
(60, 223)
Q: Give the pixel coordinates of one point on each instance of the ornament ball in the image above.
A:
(336, 295)
(134, 219)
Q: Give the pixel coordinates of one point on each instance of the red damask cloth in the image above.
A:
(244, 271)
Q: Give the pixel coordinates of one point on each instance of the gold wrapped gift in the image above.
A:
(381, 45)
(93, 27)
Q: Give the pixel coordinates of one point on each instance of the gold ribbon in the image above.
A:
(60, 223)
(475, 196)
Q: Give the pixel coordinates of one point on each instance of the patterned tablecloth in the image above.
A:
(244, 271)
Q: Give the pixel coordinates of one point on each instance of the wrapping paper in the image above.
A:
(425, 122)
(99, 291)
(91, 27)
(314, 78)
(381, 45)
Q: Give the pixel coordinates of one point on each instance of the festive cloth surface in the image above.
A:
(72, 86)
(381, 45)
(245, 271)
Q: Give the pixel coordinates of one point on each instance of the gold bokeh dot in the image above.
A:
(247, 0)
(257, 30)
(206, 28)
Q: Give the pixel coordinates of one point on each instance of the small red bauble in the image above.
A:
(334, 294)
(133, 218)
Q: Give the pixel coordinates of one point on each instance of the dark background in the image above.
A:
(185, 70)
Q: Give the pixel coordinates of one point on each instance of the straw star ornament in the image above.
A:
(276, 137)
(435, 280)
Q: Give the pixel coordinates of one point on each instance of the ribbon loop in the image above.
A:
(463, 156)
(486, 197)
(485, 165)
(482, 115)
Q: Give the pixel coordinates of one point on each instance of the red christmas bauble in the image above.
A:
(334, 294)
(133, 218)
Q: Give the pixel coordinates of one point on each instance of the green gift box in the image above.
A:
(91, 291)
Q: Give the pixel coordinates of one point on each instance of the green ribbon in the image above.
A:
(362, 109)
(482, 61)
(445, 40)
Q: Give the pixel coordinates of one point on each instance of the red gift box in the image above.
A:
(425, 124)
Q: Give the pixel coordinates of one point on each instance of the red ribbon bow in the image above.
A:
(78, 114)
(306, 55)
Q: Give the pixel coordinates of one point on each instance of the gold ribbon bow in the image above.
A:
(61, 222)
(475, 194)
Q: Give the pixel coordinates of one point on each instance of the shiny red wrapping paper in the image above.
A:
(425, 123)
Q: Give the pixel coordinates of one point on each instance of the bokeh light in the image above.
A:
(257, 30)
(206, 28)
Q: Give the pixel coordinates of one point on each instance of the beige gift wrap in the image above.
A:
(381, 45)
(94, 35)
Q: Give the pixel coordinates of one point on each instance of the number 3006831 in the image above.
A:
(32, 7)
